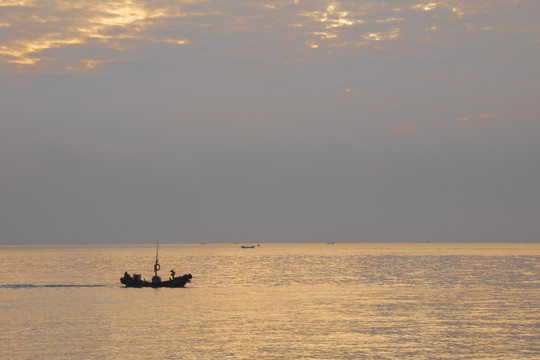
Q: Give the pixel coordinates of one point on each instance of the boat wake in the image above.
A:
(33, 286)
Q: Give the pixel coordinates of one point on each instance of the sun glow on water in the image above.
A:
(345, 301)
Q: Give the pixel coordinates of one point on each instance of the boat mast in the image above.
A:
(156, 265)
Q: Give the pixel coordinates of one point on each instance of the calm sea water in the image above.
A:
(276, 301)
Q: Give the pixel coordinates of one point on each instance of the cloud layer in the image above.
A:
(59, 36)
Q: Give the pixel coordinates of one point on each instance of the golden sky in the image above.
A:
(60, 36)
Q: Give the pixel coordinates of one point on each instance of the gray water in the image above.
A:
(276, 301)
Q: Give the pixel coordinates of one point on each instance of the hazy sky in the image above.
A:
(269, 121)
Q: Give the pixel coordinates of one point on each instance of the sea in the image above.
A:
(274, 301)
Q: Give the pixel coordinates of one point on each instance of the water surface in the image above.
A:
(276, 301)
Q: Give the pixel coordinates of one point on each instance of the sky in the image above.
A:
(190, 121)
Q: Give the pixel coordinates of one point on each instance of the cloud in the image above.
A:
(89, 64)
(402, 128)
(379, 36)
(56, 36)
(41, 33)
(482, 116)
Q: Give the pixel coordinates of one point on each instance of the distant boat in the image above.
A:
(331, 243)
(173, 282)
(247, 246)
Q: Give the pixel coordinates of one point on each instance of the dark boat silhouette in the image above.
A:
(173, 282)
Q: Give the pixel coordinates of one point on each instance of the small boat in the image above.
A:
(173, 282)
(247, 246)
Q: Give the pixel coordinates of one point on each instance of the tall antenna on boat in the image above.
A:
(156, 265)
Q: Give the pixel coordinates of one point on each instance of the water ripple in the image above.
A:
(32, 286)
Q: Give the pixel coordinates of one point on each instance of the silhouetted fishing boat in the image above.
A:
(247, 246)
(173, 282)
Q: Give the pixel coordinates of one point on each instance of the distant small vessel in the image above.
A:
(247, 246)
(330, 243)
(173, 282)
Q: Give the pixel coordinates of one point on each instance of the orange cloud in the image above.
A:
(56, 35)
(402, 128)
(89, 64)
(480, 116)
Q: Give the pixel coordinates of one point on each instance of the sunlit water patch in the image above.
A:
(276, 301)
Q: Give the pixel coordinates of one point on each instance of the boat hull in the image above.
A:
(177, 282)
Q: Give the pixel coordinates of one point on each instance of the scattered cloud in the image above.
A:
(402, 128)
(379, 36)
(54, 35)
(89, 64)
(482, 116)
(393, 19)
(425, 6)
(42, 35)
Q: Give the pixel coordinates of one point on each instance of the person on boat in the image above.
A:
(127, 276)
(172, 274)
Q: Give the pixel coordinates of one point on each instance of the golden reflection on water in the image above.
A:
(342, 301)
